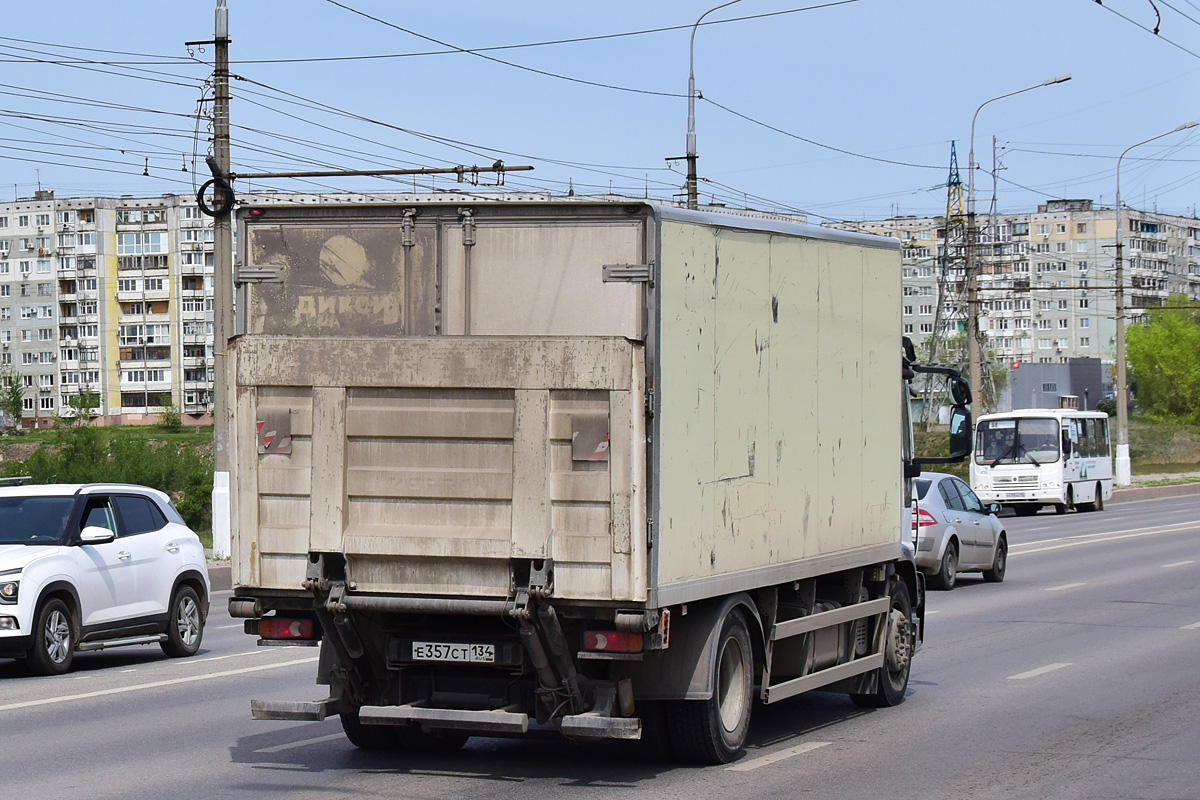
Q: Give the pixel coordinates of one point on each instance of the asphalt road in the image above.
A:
(1077, 677)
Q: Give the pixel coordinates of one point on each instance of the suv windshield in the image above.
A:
(34, 520)
(1017, 441)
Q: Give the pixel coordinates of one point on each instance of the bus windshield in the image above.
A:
(1017, 441)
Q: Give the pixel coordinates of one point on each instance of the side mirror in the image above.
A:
(960, 390)
(94, 534)
(993, 508)
(960, 432)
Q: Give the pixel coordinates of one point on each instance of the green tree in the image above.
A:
(82, 407)
(12, 396)
(1163, 358)
(170, 419)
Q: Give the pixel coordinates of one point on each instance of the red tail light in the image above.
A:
(612, 642)
(283, 628)
(923, 518)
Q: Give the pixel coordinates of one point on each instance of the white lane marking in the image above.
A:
(231, 655)
(1177, 564)
(1194, 626)
(127, 670)
(1065, 586)
(226, 627)
(927, 613)
(1033, 673)
(207, 676)
(1095, 538)
(279, 748)
(746, 766)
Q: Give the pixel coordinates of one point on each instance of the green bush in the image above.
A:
(85, 454)
(934, 443)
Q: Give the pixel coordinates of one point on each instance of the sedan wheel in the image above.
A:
(999, 562)
(947, 574)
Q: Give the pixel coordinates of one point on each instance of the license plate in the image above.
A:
(442, 651)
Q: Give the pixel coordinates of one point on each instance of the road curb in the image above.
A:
(219, 576)
(1154, 492)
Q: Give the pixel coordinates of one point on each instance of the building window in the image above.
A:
(1085, 341)
(1050, 388)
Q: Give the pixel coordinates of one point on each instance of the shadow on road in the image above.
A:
(319, 747)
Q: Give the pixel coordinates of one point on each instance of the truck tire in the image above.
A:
(369, 737)
(714, 731)
(892, 678)
(947, 574)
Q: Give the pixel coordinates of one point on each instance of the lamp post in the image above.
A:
(693, 200)
(973, 366)
(1121, 393)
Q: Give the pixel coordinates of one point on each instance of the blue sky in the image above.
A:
(877, 81)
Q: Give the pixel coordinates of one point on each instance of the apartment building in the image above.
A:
(1046, 283)
(111, 296)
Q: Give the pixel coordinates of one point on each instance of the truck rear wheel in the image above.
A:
(369, 737)
(713, 731)
(892, 677)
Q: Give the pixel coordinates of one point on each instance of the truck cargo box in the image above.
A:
(669, 404)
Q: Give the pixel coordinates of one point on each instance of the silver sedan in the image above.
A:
(955, 532)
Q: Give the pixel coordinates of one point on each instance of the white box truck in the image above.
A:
(609, 467)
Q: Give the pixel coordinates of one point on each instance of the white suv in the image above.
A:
(85, 567)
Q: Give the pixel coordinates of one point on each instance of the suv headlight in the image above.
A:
(9, 591)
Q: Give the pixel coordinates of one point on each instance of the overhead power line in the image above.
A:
(452, 50)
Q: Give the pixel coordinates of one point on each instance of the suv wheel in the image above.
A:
(185, 628)
(53, 640)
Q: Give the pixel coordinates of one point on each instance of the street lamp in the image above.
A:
(973, 366)
(693, 200)
(1124, 473)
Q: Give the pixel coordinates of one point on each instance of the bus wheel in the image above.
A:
(1099, 504)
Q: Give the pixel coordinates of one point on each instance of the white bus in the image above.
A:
(1036, 457)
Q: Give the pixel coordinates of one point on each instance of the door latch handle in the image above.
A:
(123, 555)
(173, 548)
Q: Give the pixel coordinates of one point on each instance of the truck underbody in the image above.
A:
(428, 672)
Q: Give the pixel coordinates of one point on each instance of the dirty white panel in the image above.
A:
(471, 363)
(820, 360)
(454, 281)
(541, 279)
(283, 485)
(882, 426)
(840, 403)
(531, 475)
(793, 435)
(686, 425)
(436, 575)
(742, 305)
(579, 487)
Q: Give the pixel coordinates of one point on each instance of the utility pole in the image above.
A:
(973, 358)
(222, 288)
(693, 197)
(1123, 473)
